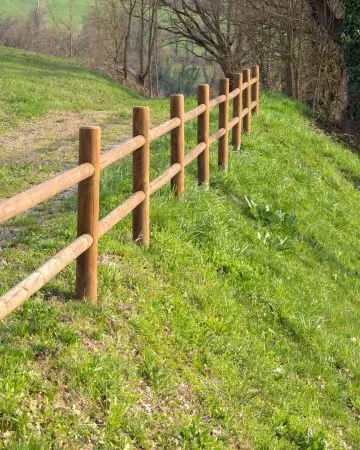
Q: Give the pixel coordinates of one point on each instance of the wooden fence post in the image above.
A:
(88, 214)
(203, 134)
(247, 100)
(237, 110)
(257, 88)
(178, 143)
(141, 168)
(223, 148)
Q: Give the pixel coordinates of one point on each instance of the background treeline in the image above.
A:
(308, 49)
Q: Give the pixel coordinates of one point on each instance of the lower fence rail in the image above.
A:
(245, 97)
(120, 212)
(26, 288)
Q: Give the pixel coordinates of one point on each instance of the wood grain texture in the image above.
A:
(247, 100)
(178, 143)
(119, 151)
(26, 200)
(203, 165)
(223, 146)
(164, 178)
(190, 115)
(237, 108)
(120, 212)
(88, 214)
(141, 169)
(194, 153)
(26, 288)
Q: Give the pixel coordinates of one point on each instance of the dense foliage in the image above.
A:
(351, 52)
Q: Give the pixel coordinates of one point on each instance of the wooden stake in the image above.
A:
(257, 88)
(203, 135)
(88, 214)
(237, 108)
(223, 148)
(178, 143)
(141, 168)
(247, 100)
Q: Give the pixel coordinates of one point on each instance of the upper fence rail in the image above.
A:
(84, 249)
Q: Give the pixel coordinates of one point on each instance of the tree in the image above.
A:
(64, 23)
(218, 29)
(129, 8)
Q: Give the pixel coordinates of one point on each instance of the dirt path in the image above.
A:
(43, 148)
(50, 145)
(51, 138)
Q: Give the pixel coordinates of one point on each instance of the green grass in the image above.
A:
(237, 328)
(32, 85)
(22, 8)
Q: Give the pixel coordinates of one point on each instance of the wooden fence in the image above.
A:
(84, 249)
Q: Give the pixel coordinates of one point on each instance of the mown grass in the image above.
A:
(237, 328)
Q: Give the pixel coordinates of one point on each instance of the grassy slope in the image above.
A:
(238, 328)
(32, 85)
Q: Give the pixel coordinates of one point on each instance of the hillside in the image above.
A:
(237, 328)
(22, 8)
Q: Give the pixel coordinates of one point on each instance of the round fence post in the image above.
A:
(141, 168)
(203, 134)
(257, 88)
(237, 110)
(178, 143)
(88, 214)
(247, 100)
(223, 147)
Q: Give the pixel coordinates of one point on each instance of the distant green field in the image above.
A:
(22, 8)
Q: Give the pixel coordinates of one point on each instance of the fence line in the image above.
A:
(84, 249)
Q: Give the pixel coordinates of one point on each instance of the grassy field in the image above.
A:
(237, 328)
(22, 8)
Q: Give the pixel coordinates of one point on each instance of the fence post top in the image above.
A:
(89, 127)
(224, 83)
(177, 96)
(141, 108)
(203, 88)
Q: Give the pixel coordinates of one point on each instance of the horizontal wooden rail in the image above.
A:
(214, 137)
(253, 81)
(234, 93)
(162, 179)
(245, 111)
(233, 122)
(119, 151)
(84, 249)
(26, 200)
(163, 128)
(216, 101)
(120, 212)
(194, 113)
(194, 153)
(22, 291)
